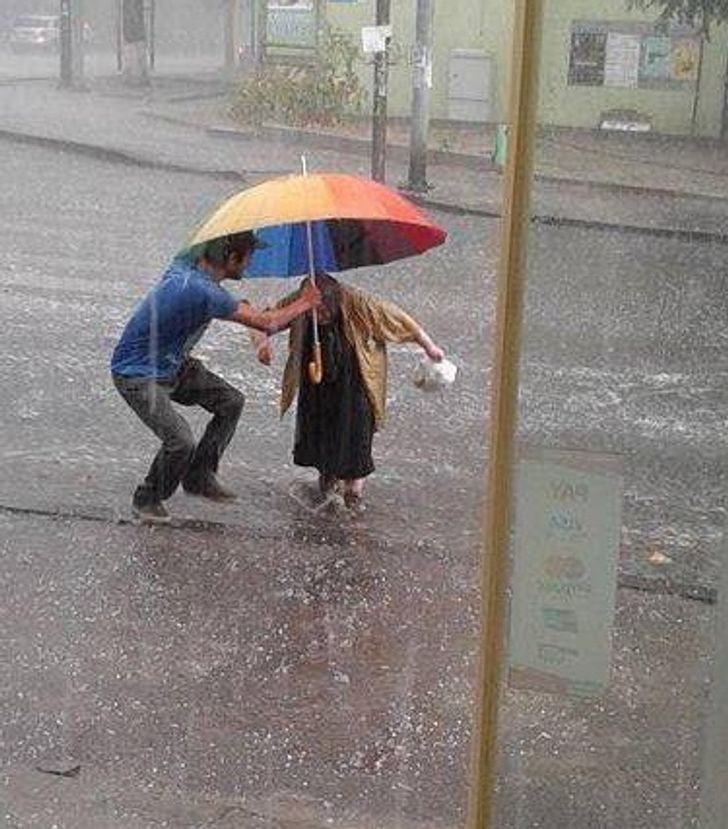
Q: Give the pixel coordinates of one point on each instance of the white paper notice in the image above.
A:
(374, 38)
(622, 61)
(568, 523)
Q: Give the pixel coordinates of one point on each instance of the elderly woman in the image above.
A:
(336, 418)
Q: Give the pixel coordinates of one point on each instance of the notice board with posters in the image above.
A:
(644, 55)
(566, 548)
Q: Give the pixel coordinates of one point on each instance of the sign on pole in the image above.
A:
(375, 38)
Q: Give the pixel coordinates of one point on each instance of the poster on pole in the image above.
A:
(566, 547)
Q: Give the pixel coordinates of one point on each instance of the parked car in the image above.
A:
(33, 32)
(39, 33)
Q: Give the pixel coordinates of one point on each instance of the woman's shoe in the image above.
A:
(327, 483)
(354, 502)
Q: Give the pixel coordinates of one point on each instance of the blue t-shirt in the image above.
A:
(169, 321)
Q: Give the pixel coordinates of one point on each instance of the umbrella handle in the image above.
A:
(316, 366)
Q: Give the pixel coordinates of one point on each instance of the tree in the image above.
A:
(703, 15)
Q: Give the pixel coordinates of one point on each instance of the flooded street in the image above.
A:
(282, 661)
(267, 664)
(623, 351)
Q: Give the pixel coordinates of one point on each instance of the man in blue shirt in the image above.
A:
(152, 367)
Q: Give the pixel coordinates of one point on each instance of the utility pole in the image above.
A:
(259, 26)
(381, 83)
(65, 35)
(152, 33)
(421, 85)
(247, 17)
(70, 37)
(135, 56)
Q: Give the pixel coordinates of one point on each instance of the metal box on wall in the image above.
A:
(470, 85)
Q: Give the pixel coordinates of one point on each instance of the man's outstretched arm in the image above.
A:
(271, 320)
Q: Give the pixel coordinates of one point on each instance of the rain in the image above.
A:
(282, 661)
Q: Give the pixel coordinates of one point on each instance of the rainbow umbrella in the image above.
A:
(322, 222)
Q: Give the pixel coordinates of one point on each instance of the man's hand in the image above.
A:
(311, 293)
(272, 320)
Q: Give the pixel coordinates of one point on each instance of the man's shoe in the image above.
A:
(211, 489)
(154, 513)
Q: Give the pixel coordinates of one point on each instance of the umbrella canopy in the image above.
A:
(354, 222)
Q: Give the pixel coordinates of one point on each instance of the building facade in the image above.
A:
(598, 58)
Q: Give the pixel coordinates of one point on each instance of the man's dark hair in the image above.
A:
(218, 250)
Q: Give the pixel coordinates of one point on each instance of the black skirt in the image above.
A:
(334, 419)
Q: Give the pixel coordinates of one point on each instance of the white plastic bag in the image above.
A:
(431, 376)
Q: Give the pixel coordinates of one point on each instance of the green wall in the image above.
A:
(459, 24)
(486, 26)
(580, 106)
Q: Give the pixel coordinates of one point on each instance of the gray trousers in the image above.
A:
(180, 459)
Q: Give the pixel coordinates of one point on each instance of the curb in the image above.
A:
(113, 156)
(681, 234)
(348, 143)
(690, 591)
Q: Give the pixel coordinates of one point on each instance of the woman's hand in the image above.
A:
(264, 353)
(263, 348)
(435, 353)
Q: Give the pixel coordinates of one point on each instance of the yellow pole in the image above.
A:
(504, 403)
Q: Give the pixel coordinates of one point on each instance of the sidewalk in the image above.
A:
(652, 184)
(634, 162)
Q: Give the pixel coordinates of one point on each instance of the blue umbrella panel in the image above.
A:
(338, 245)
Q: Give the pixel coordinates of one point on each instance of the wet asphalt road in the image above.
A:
(624, 352)
(183, 659)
